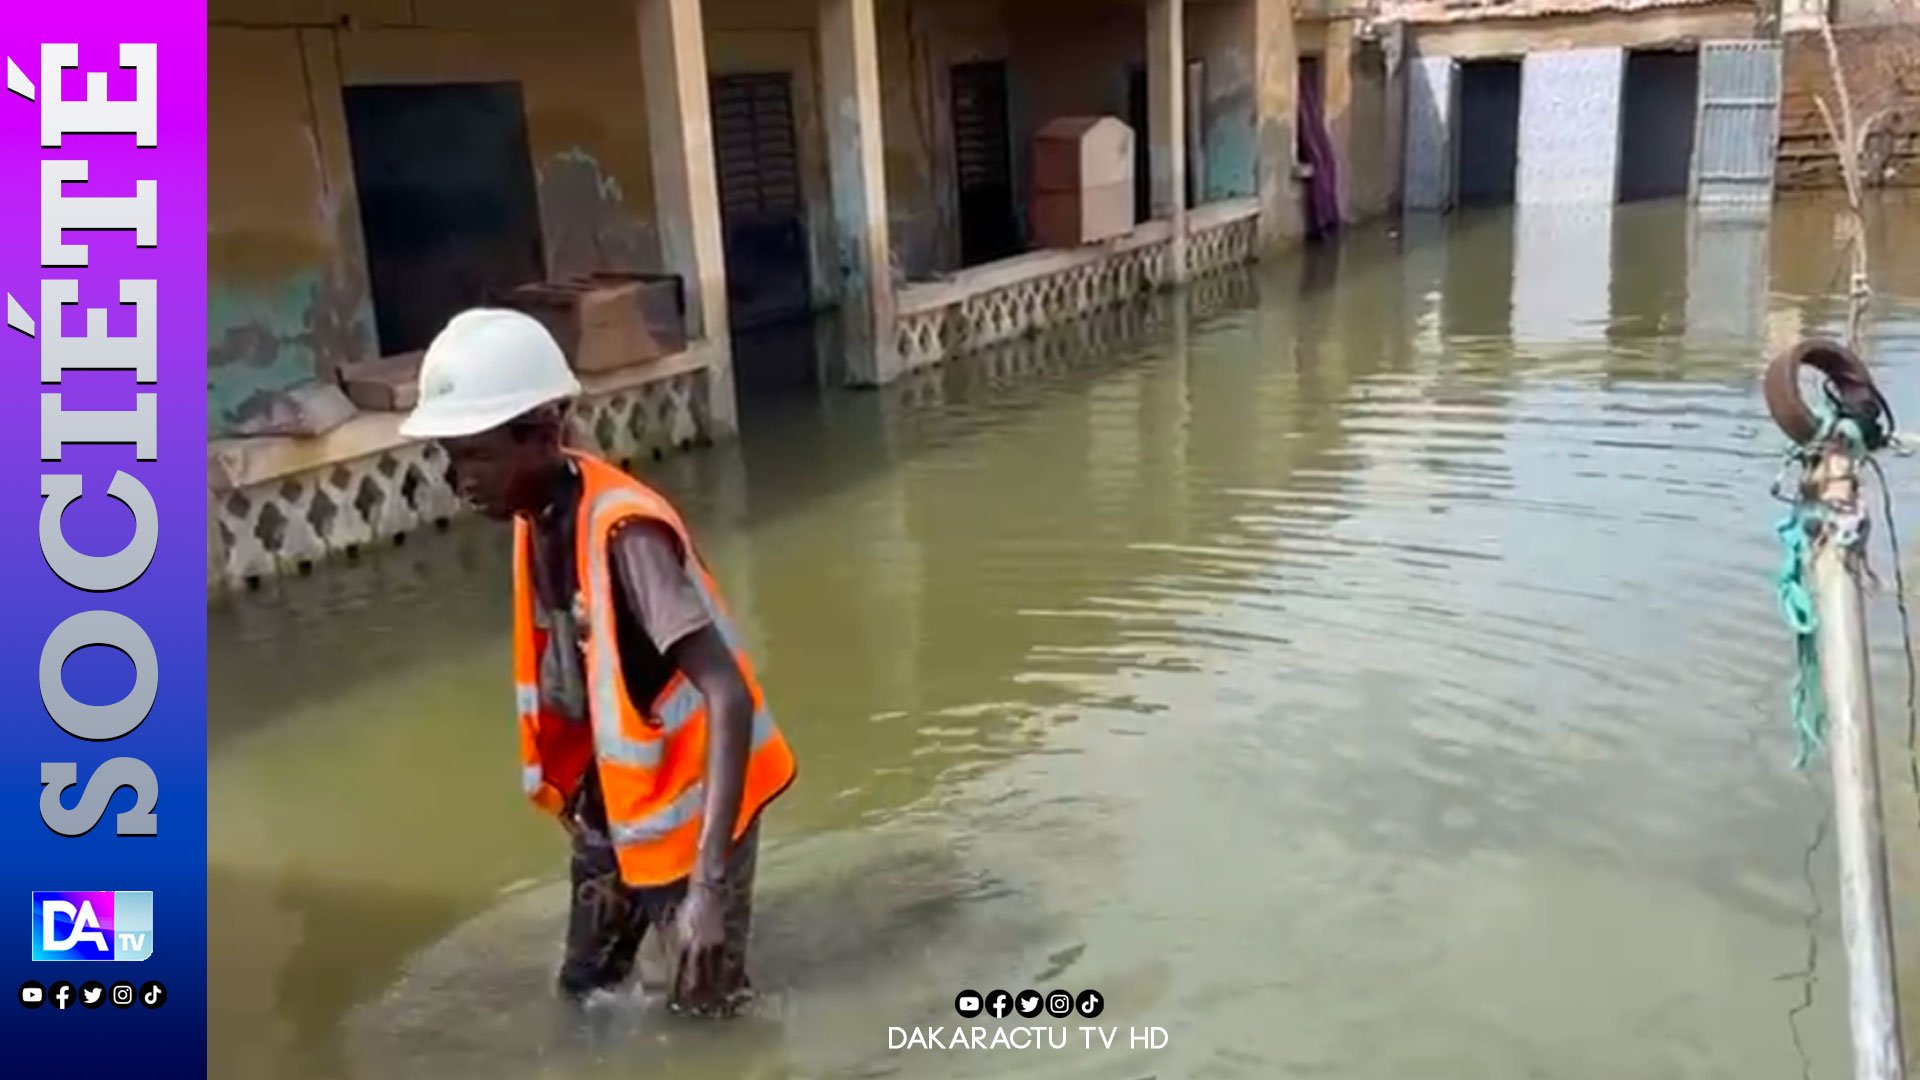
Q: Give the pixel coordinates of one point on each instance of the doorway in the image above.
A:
(762, 212)
(1196, 102)
(1489, 147)
(1140, 119)
(982, 157)
(448, 206)
(1659, 105)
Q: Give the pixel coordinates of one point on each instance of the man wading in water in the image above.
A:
(642, 727)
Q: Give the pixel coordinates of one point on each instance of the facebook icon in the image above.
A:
(92, 925)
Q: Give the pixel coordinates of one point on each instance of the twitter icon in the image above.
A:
(1028, 1004)
(92, 994)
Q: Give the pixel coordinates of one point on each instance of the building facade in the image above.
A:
(376, 165)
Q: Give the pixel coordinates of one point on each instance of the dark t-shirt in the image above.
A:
(656, 601)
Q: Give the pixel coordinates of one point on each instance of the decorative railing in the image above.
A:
(283, 505)
(989, 305)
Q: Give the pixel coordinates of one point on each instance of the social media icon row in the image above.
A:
(1028, 1003)
(92, 995)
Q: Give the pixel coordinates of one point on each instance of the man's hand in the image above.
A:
(702, 930)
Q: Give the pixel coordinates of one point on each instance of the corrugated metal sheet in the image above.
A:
(1570, 127)
(1431, 98)
(1739, 124)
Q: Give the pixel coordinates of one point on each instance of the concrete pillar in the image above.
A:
(1432, 95)
(1336, 105)
(850, 79)
(686, 191)
(1276, 90)
(1167, 123)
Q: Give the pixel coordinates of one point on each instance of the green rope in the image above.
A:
(1796, 531)
(1796, 607)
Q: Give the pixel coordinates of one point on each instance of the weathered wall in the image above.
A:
(1356, 92)
(1883, 72)
(768, 36)
(920, 41)
(1512, 29)
(1219, 34)
(287, 291)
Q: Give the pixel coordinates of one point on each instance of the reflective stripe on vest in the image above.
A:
(687, 805)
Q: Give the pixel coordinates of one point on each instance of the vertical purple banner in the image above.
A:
(103, 767)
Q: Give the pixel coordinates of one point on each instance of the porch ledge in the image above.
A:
(987, 305)
(1032, 266)
(1213, 215)
(240, 463)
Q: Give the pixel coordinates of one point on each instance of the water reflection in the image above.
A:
(1562, 273)
(1359, 667)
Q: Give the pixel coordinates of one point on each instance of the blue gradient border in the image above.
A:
(168, 601)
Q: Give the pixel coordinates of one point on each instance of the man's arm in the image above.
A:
(654, 577)
(705, 658)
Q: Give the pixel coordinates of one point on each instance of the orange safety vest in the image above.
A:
(652, 761)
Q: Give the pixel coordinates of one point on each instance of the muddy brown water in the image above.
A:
(1366, 667)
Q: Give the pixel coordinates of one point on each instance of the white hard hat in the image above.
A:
(488, 366)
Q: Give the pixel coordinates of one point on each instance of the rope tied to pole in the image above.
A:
(1856, 420)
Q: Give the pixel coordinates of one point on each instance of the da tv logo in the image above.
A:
(92, 925)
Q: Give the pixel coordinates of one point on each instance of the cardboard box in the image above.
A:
(608, 321)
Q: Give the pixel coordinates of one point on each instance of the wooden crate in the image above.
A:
(607, 321)
(385, 383)
(1082, 181)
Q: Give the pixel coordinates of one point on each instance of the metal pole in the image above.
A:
(1864, 906)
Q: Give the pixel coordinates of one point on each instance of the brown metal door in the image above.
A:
(983, 159)
(762, 212)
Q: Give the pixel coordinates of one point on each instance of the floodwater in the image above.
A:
(1371, 670)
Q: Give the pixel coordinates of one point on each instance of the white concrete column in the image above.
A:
(1432, 92)
(686, 191)
(1276, 92)
(1167, 123)
(850, 79)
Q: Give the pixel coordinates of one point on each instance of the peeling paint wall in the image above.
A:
(773, 36)
(288, 300)
(1220, 36)
(920, 42)
(287, 297)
